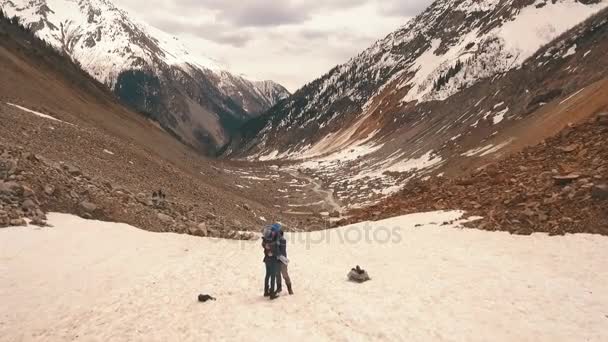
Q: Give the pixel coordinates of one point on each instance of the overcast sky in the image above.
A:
(288, 41)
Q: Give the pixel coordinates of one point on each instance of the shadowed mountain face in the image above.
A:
(192, 97)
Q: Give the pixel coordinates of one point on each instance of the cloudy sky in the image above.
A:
(288, 41)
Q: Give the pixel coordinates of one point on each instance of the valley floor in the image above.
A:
(90, 280)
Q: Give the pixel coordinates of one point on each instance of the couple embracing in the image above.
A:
(275, 259)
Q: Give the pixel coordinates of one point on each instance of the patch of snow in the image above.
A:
(255, 178)
(347, 154)
(534, 27)
(496, 148)
(571, 51)
(571, 96)
(425, 161)
(498, 117)
(496, 106)
(42, 115)
(115, 280)
(476, 151)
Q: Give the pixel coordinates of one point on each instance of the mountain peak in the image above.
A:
(448, 48)
(193, 97)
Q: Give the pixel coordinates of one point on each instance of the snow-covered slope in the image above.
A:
(90, 280)
(147, 68)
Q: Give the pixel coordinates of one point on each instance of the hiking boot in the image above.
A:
(273, 295)
(266, 294)
(289, 289)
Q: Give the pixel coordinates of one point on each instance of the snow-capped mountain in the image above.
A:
(193, 96)
(457, 87)
(445, 50)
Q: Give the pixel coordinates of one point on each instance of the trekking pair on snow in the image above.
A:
(275, 259)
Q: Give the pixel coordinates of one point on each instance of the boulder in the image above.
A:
(465, 181)
(247, 236)
(164, 218)
(144, 199)
(203, 228)
(72, 170)
(567, 179)
(28, 204)
(88, 206)
(49, 190)
(602, 118)
(246, 207)
(198, 230)
(4, 219)
(18, 222)
(11, 188)
(28, 193)
(569, 148)
(600, 192)
(38, 221)
(334, 214)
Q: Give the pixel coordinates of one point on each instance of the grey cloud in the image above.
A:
(258, 13)
(263, 13)
(311, 34)
(278, 32)
(217, 33)
(408, 8)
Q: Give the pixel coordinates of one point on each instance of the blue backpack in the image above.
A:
(267, 232)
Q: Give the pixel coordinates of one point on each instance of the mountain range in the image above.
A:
(193, 97)
(450, 47)
(461, 85)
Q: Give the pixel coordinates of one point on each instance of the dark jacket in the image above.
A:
(283, 246)
(271, 247)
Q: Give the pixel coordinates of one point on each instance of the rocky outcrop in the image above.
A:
(18, 202)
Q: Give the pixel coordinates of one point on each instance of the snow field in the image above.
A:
(88, 280)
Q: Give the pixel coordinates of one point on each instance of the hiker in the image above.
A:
(283, 262)
(270, 243)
